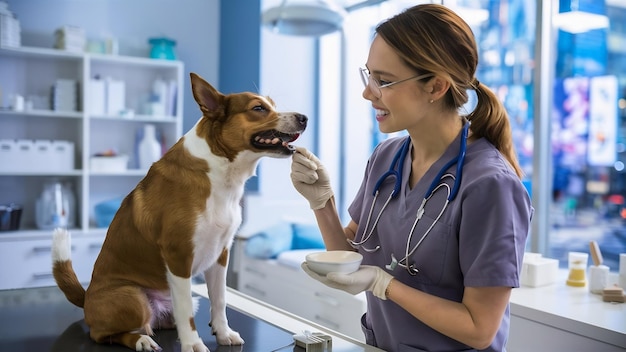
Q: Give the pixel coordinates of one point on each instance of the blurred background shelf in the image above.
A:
(34, 74)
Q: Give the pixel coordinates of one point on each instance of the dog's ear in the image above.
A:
(207, 97)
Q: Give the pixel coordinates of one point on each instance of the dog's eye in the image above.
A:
(259, 108)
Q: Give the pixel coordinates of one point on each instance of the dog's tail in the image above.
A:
(62, 269)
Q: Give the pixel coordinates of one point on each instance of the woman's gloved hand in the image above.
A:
(367, 278)
(309, 177)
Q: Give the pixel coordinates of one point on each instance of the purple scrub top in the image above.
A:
(478, 241)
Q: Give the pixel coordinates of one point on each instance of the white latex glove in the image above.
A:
(309, 177)
(367, 278)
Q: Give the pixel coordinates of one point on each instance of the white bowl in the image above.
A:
(334, 261)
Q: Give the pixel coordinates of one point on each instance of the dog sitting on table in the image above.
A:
(179, 221)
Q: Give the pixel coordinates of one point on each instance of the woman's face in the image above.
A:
(401, 105)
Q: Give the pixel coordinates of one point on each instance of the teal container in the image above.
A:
(162, 48)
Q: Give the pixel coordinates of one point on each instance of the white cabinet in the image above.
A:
(26, 261)
(31, 73)
(558, 317)
(291, 289)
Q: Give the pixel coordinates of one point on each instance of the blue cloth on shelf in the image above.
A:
(282, 237)
(307, 236)
(105, 211)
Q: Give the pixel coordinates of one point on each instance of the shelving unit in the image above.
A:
(31, 72)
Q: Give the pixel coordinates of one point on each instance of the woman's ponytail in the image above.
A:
(490, 121)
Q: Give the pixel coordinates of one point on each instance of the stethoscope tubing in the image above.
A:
(397, 161)
(395, 170)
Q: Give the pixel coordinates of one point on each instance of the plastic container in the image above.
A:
(117, 163)
(105, 211)
(22, 155)
(162, 48)
(598, 278)
(149, 148)
(577, 264)
(10, 216)
(55, 207)
(538, 271)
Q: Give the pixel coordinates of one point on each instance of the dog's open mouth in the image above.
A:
(274, 139)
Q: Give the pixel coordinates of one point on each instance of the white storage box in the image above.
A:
(97, 97)
(118, 163)
(62, 154)
(39, 153)
(115, 96)
(8, 155)
(23, 155)
(538, 271)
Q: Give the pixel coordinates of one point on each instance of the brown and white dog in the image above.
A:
(179, 221)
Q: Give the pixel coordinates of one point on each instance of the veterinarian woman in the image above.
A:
(441, 217)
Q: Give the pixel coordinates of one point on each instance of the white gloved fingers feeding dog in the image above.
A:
(310, 178)
(367, 278)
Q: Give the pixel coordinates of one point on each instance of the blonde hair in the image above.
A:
(431, 38)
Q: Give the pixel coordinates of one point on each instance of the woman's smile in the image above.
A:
(381, 114)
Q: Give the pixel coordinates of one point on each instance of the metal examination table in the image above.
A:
(41, 319)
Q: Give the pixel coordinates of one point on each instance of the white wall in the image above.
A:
(287, 76)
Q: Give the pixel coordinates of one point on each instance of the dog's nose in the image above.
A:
(302, 119)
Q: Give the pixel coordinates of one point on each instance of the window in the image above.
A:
(589, 132)
(587, 119)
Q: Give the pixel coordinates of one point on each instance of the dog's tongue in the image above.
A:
(289, 146)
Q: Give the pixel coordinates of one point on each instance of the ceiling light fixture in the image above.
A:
(313, 18)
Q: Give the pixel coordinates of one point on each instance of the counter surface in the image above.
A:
(571, 309)
(41, 319)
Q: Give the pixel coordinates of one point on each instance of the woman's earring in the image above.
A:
(431, 101)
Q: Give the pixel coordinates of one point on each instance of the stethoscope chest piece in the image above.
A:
(394, 263)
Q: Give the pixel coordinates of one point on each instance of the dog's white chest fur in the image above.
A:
(216, 226)
(215, 229)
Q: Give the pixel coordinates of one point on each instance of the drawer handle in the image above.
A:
(254, 289)
(256, 272)
(327, 322)
(46, 249)
(327, 299)
(42, 249)
(43, 276)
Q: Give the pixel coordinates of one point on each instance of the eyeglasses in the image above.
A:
(375, 85)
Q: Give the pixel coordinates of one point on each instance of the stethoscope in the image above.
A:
(395, 170)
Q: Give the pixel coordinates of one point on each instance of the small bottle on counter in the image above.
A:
(577, 268)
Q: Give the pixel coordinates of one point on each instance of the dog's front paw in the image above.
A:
(196, 347)
(228, 337)
(146, 343)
